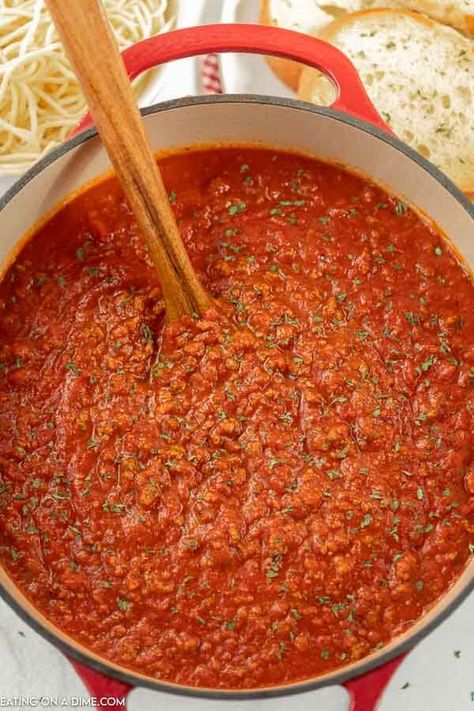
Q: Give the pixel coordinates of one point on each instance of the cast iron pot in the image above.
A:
(350, 133)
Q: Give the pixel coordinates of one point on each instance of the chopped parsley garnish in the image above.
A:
(236, 208)
(231, 232)
(123, 603)
(148, 334)
(294, 203)
(426, 365)
(73, 368)
(273, 462)
(275, 565)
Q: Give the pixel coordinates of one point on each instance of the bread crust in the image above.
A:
(343, 20)
(443, 12)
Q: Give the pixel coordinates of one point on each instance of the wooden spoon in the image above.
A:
(90, 45)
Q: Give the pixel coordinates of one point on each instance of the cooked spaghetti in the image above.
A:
(40, 99)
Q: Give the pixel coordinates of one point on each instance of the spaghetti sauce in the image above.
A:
(268, 492)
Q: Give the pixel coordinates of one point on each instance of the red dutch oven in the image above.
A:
(350, 133)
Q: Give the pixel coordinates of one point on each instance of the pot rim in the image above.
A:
(338, 677)
(281, 101)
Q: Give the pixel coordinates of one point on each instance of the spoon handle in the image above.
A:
(90, 45)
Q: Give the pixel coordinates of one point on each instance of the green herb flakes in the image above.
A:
(147, 334)
(123, 604)
(73, 368)
(236, 208)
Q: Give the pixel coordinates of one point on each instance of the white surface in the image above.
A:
(5, 182)
(176, 78)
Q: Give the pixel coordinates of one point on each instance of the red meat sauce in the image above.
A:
(263, 494)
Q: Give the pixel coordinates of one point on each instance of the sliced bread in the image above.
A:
(313, 16)
(420, 76)
(309, 17)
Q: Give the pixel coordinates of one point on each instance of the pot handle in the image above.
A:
(365, 691)
(255, 39)
(103, 688)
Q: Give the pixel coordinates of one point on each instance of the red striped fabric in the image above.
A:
(211, 75)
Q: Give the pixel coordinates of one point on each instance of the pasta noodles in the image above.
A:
(40, 100)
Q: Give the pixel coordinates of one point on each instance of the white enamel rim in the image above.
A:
(282, 124)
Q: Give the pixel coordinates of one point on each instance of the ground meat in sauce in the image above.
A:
(263, 494)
